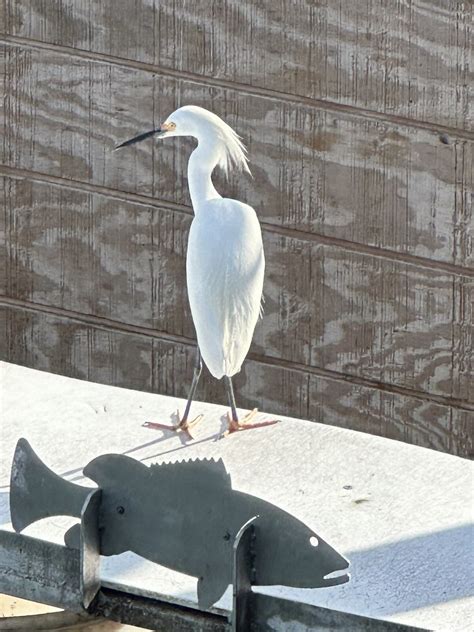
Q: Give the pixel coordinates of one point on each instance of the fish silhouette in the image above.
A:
(183, 515)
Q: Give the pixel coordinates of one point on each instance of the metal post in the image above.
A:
(244, 575)
(90, 548)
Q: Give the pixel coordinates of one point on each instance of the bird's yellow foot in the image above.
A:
(238, 426)
(182, 426)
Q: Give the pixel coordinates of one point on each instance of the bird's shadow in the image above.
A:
(437, 568)
(76, 474)
(217, 436)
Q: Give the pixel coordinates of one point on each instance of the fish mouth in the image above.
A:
(336, 578)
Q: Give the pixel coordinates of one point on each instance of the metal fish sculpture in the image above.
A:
(183, 515)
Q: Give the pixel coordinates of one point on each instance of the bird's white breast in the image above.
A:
(225, 268)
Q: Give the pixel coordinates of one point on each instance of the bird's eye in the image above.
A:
(168, 126)
(313, 541)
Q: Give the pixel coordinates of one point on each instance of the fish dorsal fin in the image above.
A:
(207, 472)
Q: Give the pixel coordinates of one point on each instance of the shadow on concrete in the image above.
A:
(417, 572)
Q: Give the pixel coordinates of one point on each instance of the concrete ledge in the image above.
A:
(401, 514)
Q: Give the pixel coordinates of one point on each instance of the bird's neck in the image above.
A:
(200, 167)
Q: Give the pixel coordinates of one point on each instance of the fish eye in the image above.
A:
(313, 540)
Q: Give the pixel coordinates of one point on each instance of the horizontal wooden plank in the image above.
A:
(381, 320)
(382, 185)
(412, 60)
(59, 345)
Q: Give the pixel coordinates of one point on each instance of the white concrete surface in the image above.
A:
(401, 514)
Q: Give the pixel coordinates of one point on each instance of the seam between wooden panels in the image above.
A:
(108, 324)
(283, 231)
(267, 93)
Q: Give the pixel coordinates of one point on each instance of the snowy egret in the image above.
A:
(225, 260)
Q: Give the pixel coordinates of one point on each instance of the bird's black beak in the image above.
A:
(136, 139)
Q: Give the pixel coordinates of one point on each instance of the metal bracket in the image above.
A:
(90, 548)
(243, 576)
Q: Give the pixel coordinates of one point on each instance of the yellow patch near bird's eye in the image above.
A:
(168, 127)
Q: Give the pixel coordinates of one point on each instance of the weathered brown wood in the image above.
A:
(364, 181)
(411, 59)
(62, 346)
(355, 314)
(96, 255)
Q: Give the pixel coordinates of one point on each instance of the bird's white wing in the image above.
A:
(225, 268)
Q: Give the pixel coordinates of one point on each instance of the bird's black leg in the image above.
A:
(233, 423)
(194, 383)
(229, 389)
(183, 423)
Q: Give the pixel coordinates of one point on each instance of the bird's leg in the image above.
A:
(184, 424)
(233, 423)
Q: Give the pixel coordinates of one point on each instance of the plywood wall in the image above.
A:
(359, 124)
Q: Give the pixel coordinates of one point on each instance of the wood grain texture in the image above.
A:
(411, 59)
(354, 314)
(367, 182)
(59, 345)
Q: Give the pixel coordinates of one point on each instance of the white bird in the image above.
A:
(225, 261)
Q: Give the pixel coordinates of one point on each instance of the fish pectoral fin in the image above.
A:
(210, 589)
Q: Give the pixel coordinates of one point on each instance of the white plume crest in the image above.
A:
(234, 152)
(231, 150)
